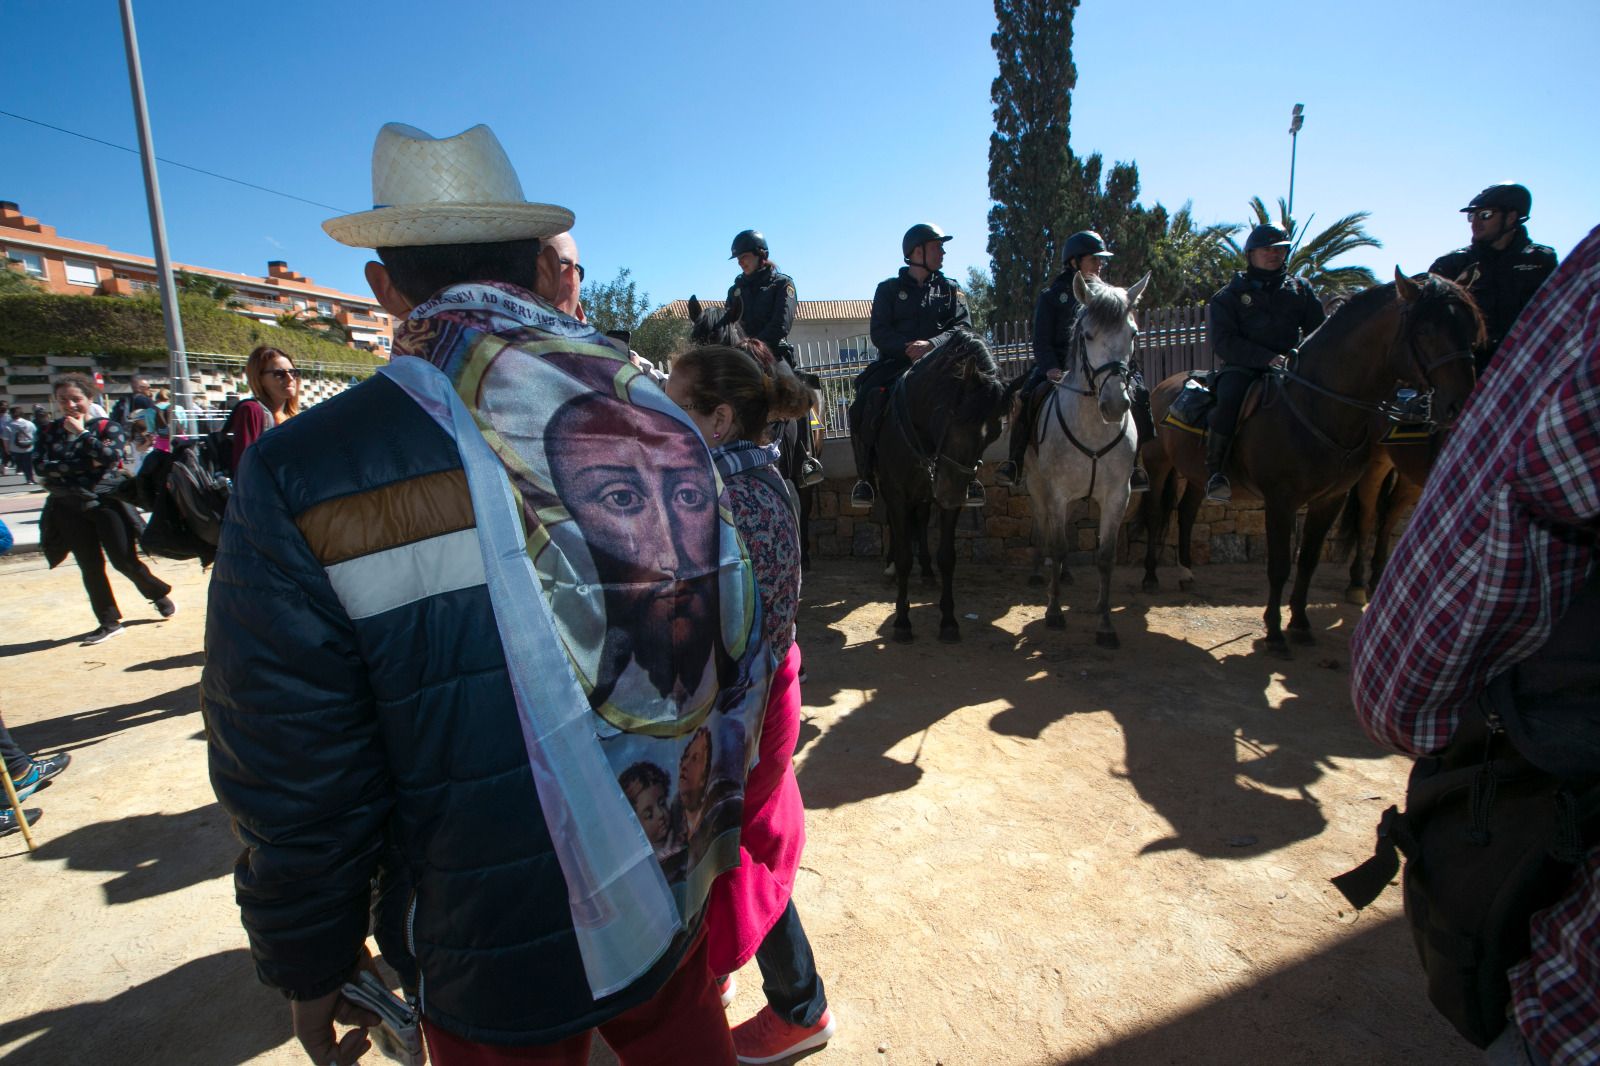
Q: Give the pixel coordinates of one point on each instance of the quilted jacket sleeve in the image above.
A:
(295, 754)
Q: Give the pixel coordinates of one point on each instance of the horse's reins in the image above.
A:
(900, 417)
(1093, 376)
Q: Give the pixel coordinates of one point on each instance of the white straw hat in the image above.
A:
(444, 190)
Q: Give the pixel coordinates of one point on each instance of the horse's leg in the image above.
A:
(1402, 493)
(949, 631)
(1319, 518)
(1156, 511)
(1036, 578)
(1113, 505)
(1364, 498)
(1055, 541)
(1188, 511)
(923, 555)
(1280, 533)
(899, 514)
(807, 500)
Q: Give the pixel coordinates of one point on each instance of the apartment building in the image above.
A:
(80, 268)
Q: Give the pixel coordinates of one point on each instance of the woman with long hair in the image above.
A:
(274, 398)
(732, 396)
(80, 463)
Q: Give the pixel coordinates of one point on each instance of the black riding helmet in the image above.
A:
(1504, 196)
(1265, 236)
(919, 235)
(749, 240)
(1084, 242)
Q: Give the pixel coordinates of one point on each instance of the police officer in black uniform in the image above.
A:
(1257, 320)
(910, 313)
(1502, 267)
(766, 295)
(1053, 319)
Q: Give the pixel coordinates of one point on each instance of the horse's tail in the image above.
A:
(1350, 518)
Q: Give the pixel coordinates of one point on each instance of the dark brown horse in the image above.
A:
(1391, 483)
(942, 414)
(1318, 422)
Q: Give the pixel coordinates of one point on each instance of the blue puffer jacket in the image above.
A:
(359, 714)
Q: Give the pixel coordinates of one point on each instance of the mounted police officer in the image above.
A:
(1502, 268)
(766, 313)
(766, 295)
(910, 314)
(1257, 320)
(1053, 319)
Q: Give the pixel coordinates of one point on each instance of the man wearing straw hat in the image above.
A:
(416, 670)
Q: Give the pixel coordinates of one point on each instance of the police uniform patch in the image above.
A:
(1063, 297)
(1244, 298)
(902, 294)
(961, 297)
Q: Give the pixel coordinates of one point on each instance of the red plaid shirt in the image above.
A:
(1499, 545)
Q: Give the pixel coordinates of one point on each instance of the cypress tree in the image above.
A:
(1028, 150)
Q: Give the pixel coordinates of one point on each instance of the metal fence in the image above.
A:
(1170, 340)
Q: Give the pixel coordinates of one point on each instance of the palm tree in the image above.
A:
(1311, 258)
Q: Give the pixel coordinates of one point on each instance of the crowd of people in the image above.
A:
(501, 653)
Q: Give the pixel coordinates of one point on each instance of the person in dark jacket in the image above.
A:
(1257, 320)
(1053, 318)
(911, 313)
(367, 692)
(1502, 268)
(766, 313)
(80, 461)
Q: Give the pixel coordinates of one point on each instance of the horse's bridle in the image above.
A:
(900, 417)
(1093, 376)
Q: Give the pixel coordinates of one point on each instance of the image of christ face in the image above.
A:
(639, 485)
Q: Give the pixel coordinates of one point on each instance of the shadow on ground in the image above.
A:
(208, 1012)
(153, 853)
(1351, 992)
(83, 728)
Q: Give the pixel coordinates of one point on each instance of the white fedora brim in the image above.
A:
(409, 225)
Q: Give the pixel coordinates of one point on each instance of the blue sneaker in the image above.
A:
(9, 823)
(40, 773)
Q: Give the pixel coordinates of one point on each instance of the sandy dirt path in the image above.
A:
(1022, 849)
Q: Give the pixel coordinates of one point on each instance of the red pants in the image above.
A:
(683, 1023)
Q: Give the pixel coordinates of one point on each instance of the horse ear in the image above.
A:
(1136, 290)
(1405, 288)
(694, 308)
(1080, 289)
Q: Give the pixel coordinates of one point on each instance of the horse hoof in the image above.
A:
(1055, 621)
(1356, 594)
(1302, 636)
(903, 636)
(950, 634)
(1278, 648)
(1186, 585)
(1107, 640)
(1151, 584)
(1036, 581)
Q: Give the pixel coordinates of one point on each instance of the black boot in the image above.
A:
(1218, 490)
(1009, 472)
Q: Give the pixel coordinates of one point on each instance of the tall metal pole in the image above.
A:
(1296, 120)
(178, 358)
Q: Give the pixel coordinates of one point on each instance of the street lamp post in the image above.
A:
(178, 359)
(1296, 120)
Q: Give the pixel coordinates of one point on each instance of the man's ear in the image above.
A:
(392, 300)
(547, 276)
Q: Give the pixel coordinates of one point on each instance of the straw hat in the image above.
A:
(449, 190)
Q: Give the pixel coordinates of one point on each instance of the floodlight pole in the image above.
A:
(1296, 120)
(177, 357)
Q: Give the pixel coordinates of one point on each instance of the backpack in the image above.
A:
(220, 441)
(189, 497)
(1496, 823)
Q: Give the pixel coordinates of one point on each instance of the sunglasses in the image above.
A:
(573, 266)
(1484, 214)
(285, 375)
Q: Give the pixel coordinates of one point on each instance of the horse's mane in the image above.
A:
(974, 396)
(1435, 297)
(1107, 306)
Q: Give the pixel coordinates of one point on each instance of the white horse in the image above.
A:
(1084, 440)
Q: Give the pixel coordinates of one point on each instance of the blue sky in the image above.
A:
(830, 126)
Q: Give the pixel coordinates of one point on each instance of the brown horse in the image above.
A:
(1318, 422)
(1390, 485)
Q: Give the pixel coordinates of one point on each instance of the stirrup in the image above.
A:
(1138, 481)
(1218, 490)
(862, 495)
(1008, 474)
(976, 497)
(810, 473)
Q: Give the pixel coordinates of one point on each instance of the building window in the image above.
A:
(324, 308)
(385, 342)
(81, 273)
(31, 264)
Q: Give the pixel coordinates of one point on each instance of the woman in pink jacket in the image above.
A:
(732, 395)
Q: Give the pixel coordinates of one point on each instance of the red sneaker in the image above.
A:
(768, 1038)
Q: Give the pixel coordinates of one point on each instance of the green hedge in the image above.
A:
(132, 330)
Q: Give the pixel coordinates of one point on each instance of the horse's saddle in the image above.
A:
(1407, 433)
(1191, 409)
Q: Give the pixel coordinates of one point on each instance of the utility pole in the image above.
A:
(1296, 120)
(177, 356)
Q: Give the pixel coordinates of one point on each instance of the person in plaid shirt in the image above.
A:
(1500, 543)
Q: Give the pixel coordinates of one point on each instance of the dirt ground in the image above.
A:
(1022, 849)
